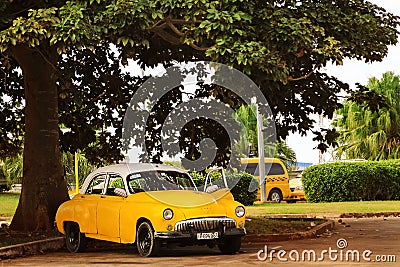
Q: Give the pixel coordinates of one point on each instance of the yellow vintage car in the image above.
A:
(151, 205)
(298, 194)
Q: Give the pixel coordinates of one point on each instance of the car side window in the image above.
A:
(97, 185)
(115, 181)
(270, 168)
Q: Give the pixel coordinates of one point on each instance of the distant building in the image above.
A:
(295, 171)
(303, 165)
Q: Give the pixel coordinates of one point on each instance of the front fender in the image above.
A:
(145, 208)
(64, 214)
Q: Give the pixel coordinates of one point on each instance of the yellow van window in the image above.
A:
(270, 168)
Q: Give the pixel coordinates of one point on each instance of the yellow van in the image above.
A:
(277, 177)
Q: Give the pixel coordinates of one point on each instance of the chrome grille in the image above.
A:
(204, 224)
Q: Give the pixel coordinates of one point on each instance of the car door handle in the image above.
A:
(103, 197)
(82, 196)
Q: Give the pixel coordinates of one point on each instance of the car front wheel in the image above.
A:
(275, 196)
(74, 239)
(146, 244)
(231, 245)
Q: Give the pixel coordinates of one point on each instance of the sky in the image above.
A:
(352, 71)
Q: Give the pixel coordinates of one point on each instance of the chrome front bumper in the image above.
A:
(192, 236)
(188, 229)
(205, 224)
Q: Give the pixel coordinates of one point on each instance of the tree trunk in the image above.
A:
(43, 184)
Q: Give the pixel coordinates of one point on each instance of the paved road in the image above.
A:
(378, 235)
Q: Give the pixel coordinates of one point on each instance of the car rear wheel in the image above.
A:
(231, 245)
(145, 242)
(275, 196)
(75, 241)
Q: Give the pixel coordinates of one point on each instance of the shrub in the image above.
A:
(245, 183)
(353, 181)
(198, 178)
(240, 190)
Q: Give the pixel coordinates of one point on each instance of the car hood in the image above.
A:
(194, 204)
(187, 198)
(296, 182)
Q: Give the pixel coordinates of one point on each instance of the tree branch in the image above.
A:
(99, 96)
(159, 26)
(5, 78)
(173, 28)
(200, 48)
(166, 36)
(175, 21)
(290, 78)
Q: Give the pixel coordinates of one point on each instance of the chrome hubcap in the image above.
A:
(275, 197)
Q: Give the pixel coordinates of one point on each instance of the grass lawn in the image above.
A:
(8, 203)
(324, 208)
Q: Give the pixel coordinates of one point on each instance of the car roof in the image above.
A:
(256, 160)
(124, 169)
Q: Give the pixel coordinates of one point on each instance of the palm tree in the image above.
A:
(286, 154)
(12, 169)
(247, 115)
(84, 167)
(367, 134)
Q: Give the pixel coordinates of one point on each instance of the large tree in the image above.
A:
(281, 45)
(370, 134)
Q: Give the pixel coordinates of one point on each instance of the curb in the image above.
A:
(31, 248)
(369, 214)
(317, 230)
(332, 216)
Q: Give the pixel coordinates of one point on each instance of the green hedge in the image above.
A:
(353, 181)
(240, 190)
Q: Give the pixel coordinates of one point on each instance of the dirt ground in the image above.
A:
(353, 242)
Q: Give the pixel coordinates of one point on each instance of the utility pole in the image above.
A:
(261, 156)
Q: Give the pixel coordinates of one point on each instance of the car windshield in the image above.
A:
(159, 180)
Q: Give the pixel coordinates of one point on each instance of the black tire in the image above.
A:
(75, 241)
(231, 245)
(275, 195)
(145, 241)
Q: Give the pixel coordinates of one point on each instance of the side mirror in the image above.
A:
(120, 192)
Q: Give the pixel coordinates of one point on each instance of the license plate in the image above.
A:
(207, 235)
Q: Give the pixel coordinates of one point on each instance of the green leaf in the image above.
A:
(125, 41)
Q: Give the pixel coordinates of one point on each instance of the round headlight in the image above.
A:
(168, 214)
(240, 211)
